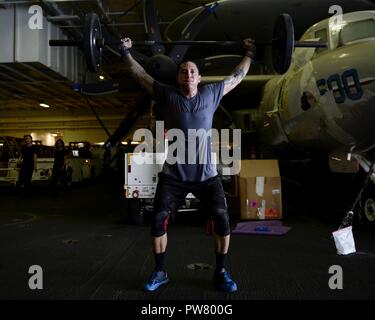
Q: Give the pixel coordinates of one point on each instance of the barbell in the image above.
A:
(282, 42)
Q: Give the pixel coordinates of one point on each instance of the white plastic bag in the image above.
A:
(344, 240)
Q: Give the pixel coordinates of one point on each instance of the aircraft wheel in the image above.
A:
(368, 205)
(135, 211)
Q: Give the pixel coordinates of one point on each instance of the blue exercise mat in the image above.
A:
(264, 227)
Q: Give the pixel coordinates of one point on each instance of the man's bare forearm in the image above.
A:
(135, 68)
(139, 73)
(237, 74)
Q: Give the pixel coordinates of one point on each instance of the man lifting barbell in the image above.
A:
(184, 108)
(190, 107)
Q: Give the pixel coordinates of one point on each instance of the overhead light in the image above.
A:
(43, 105)
(343, 55)
(336, 159)
(101, 77)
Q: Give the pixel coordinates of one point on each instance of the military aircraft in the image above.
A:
(325, 100)
(324, 103)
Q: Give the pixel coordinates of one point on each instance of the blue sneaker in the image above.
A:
(157, 279)
(224, 282)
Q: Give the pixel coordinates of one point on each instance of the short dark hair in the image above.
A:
(186, 61)
(28, 135)
(60, 140)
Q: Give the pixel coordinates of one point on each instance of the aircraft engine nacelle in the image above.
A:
(269, 126)
(329, 104)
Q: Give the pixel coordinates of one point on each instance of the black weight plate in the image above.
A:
(91, 49)
(283, 43)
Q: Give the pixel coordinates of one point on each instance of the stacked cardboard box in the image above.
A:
(259, 190)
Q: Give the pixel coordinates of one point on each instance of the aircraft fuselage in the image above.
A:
(326, 100)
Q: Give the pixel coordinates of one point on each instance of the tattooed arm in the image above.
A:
(241, 70)
(144, 79)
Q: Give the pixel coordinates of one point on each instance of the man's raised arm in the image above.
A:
(144, 79)
(242, 68)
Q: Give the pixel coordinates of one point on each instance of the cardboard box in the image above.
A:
(259, 188)
(259, 168)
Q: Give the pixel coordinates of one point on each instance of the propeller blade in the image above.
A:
(127, 124)
(191, 31)
(217, 62)
(152, 26)
(109, 87)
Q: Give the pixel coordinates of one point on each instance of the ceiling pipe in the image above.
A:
(120, 13)
(118, 24)
(62, 18)
(56, 11)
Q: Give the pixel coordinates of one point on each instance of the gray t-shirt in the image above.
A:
(184, 113)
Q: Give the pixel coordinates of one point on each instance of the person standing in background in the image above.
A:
(28, 161)
(59, 175)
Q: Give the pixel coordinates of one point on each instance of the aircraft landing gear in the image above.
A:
(135, 211)
(368, 204)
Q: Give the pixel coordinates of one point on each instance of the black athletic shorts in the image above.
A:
(171, 193)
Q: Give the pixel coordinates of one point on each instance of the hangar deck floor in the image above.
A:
(86, 251)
